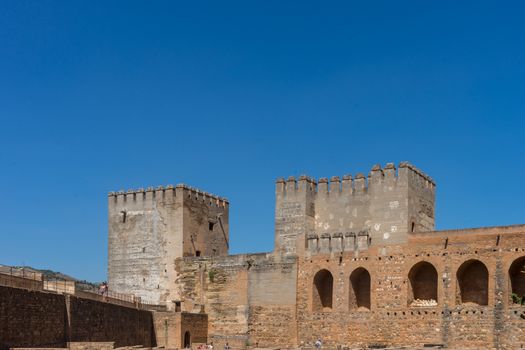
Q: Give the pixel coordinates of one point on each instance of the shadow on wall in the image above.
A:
(473, 283)
(423, 279)
(323, 290)
(360, 291)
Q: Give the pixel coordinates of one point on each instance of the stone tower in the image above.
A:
(378, 210)
(149, 229)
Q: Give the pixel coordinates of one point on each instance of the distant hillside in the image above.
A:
(52, 275)
(48, 274)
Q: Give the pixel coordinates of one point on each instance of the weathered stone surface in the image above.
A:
(171, 328)
(43, 319)
(357, 263)
(94, 321)
(31, 318)
(149, 229)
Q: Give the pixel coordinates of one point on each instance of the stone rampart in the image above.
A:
(149, 229)
(31, 318)
(94, 321)
(173, 329)
(249, 298)
(356, 263)
(388, 204)
(451, 287)
(20, 282)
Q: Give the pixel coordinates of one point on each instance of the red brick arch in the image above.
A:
(517, 277)
(423, 282)
(473, 283)
(359, 296)
(322, 291)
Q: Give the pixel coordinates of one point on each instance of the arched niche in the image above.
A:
(517, 280)
(423, 285)
(359, 289)
(473, 283)
(323, 286)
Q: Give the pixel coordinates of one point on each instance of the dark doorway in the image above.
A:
(187, 340)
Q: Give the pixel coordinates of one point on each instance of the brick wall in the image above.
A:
(272, 325)
(397, 276)
(93, 321)
(42, 319)
(31, 318)
(402, 295)
(171, 327)
(249, 298)
(196, 325)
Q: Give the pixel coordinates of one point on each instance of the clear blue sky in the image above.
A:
(227, 96)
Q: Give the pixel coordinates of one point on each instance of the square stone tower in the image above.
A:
(353, 213)
(149, 229)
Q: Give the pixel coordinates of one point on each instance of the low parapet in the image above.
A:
(360, 183)
(338, 242)
(170, 190)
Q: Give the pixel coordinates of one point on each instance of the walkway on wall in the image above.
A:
(95, 346)
(20, 278)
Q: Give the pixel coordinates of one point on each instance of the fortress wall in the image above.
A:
(220, 284)
(197, 325)
(342, 209)
(391, 319)
(388, 204)
(272, 298)
(272, 325)
(167, 329)
(31, 318)
(139, 235)
(421, 197)
(205, 223)
(294, 214)
(249, 298)
(170, 328)
(16, 281)
(149, 229)
(43, 319)
(94, 321)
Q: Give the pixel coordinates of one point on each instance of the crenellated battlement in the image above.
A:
(149, 228)
(389, 202)
(360, 183)
(337, 242)
(169, 191)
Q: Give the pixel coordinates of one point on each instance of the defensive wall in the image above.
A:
(446, 287)
(149, 229)
(392, 201)
(357, 262)
(449, 288)
(179, 330)
(32, 318)
(249, 298)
